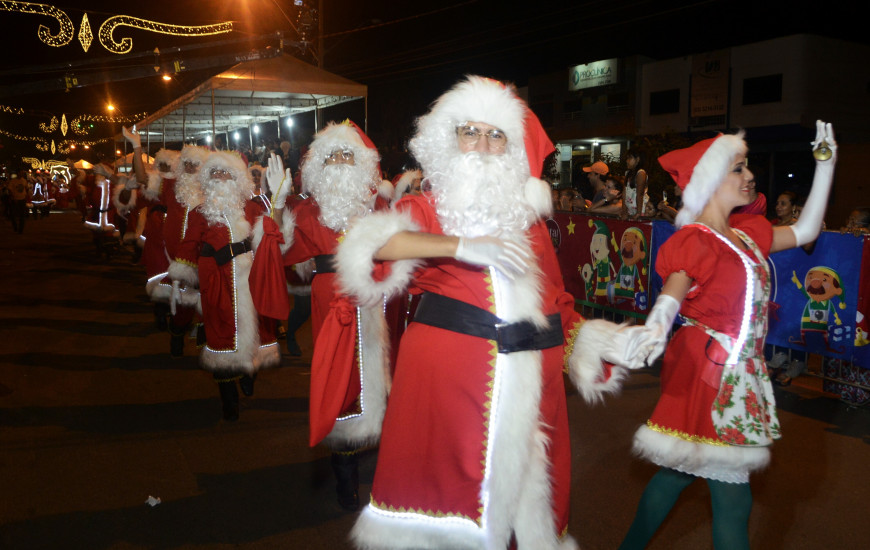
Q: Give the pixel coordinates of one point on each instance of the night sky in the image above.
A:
(406, 52)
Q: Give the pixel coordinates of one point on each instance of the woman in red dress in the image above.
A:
(716, 418)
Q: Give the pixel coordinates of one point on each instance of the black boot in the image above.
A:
(292, 346)
(229, 399)
(346, 468)
(176, 343)
(247, 384)
(200, 336)
(161, 315)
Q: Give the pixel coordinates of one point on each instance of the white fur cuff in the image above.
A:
(355, 258)
(585, 366)
(187, 274)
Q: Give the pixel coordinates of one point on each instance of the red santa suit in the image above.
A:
(217, 255)
(349, 378)
(475, 448)
(151, 201)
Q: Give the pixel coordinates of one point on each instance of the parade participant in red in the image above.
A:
(348, 385)
(101, 212)
(475, 450)
(716, 418)
(242, 293)
(179, 194)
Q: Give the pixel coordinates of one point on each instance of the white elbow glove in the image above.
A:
(649, 343)
(132, 136)
(506, 256)
(806, 229)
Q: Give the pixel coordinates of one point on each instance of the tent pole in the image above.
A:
(164, 132)
(183, 124)
(213, 135)
(366, 113)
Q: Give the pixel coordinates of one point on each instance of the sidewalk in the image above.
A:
(95, 417)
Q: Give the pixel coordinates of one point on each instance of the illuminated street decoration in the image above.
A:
(11, 110)
(50, 127)
(67, 29)
(126, 44)
(63, 125)
(53, 149)
(85, 34)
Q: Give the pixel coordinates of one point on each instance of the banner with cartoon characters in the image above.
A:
(818, 300)
(813, 304)
(605, 262)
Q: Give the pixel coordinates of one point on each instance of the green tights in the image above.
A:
(732, 503)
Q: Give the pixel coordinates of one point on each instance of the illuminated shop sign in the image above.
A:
(598, 73)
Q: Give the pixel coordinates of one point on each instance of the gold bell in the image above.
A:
(823, 151)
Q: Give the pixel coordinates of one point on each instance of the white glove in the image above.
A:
(650, 341)
(506, 256)
(278, 180)
(806, 229)
(174, 296)
(132, 136)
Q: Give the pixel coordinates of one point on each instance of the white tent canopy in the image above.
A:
(251, 92)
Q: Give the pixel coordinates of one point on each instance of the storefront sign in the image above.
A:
(599, 73)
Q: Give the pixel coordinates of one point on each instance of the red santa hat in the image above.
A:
(192, 153)
(486, 100)
(700, 169)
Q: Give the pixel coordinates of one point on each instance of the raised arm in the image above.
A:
(806, 229)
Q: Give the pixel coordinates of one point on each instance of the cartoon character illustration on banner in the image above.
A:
(821, 285)
(861, 330)
(602, 267)
(632, 253)
(586, 273)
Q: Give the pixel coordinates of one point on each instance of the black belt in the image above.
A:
(325, 263)
(457, 316)
(159, 208)
(226, 253)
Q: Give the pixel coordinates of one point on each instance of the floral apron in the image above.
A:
(744, 411)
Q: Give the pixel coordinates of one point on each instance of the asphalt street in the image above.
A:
(95, 418)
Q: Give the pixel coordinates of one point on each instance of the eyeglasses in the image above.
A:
(470, 135)
(343, 155)
(218, 173)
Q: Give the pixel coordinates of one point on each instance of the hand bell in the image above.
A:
(823, 151)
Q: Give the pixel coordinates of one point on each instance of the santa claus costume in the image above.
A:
(716, 418)
(242, 293)
(349, 371)
(475, 450)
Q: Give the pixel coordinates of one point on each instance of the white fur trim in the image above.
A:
(585, 368)
(374, 347)
(151, 190)
(354, 257)
(707, 176)
(288, 229)
(386, 190)
(183, 272)
(730, 464)
(168, 157)
(539, 197)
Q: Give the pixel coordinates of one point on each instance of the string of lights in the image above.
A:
(126, 44)
(67, 29)
(66, 33)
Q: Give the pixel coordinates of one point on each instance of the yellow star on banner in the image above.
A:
(571, 227)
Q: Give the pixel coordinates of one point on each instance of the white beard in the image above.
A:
(342, 192)
(481, 195)
(222, 199)
(188, 191)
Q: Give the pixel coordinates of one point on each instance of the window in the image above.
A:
(762, 89)
(664, 102)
